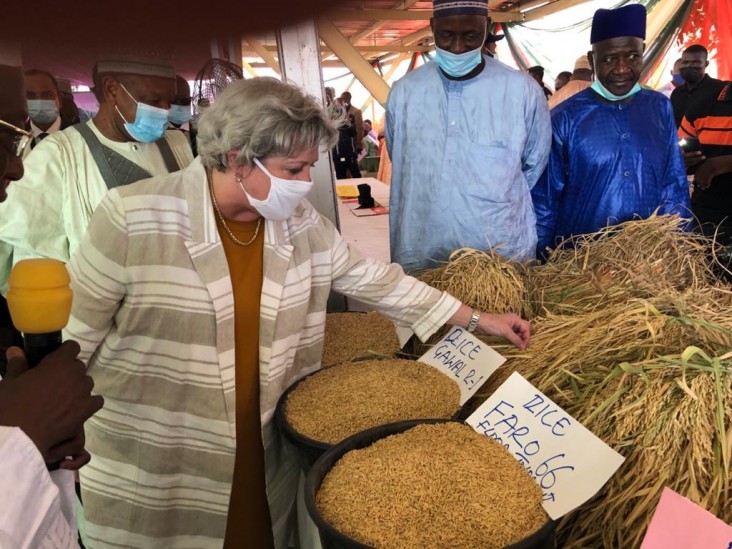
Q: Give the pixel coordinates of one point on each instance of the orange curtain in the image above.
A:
(710, 24)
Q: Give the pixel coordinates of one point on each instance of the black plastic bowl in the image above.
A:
(331, 538)
(309, 450)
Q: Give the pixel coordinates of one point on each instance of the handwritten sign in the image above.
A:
(464, 358)
(679, 523)
(569, 463)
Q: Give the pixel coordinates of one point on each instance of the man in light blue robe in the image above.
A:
(468, 138)
(615, 154)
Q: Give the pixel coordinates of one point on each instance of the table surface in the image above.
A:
(368, 234)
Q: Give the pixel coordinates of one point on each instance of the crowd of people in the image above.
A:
(357, 139)
(201, 274)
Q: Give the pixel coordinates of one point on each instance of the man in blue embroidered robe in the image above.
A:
(615, 153)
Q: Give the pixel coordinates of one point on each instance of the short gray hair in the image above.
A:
(261, 117)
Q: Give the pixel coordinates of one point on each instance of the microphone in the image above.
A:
(39, 300)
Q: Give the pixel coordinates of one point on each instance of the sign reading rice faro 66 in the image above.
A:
(465, 359)
(569, 463)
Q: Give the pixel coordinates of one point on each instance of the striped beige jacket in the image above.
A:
(154, 313)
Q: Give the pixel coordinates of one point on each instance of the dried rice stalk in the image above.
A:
(672, 419)
(606, 308)
(356, 335)
(482, 280)
(564, 347)
(642, 259)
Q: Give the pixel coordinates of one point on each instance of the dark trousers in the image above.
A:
(713, 221)
(345, 163)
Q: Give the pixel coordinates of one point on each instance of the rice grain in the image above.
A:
(433, 486)
(340, 401)
(357, 335)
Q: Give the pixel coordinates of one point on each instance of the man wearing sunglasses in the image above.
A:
(42, 411)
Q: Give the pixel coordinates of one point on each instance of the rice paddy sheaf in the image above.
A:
(631, 334)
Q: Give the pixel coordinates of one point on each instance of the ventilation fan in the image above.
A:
(210, 81)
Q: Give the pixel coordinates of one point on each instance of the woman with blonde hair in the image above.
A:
(199, 298)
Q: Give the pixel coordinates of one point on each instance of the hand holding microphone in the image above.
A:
(39, 300)
(51, 402)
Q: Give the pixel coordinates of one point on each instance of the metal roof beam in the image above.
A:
(395, 48)
(407, 40)
(532, 4)
(360, 68)
(416, 36)
(409, 15)
(330, 64)
(247, 67)
(263, 53)
(376, 26)
(549, 9)
(395, 65)
(379, 15)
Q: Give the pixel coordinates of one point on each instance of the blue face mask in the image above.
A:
(677, 79)
(42, 111)
(457, 64)
(607, 94)
(180, 114)
(149, 124)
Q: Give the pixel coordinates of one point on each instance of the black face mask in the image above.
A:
(691, 75)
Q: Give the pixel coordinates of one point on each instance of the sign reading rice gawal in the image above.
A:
(569, 463)
(464, 358)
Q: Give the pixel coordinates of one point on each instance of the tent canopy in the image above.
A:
(65, 38)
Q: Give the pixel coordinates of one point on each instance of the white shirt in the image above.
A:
(36, 131)
(53, 128)
(38, 507)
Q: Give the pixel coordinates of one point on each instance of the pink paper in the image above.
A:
(679, 523)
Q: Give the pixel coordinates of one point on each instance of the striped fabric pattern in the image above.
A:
(711, 122)
(136, 63)
(444, 8)
(153, 312)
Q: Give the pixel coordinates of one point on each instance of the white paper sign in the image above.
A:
(569, 463)
(467, 360)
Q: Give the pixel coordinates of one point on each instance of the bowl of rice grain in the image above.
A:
(355, 335)
(332, 404)
(425, 484)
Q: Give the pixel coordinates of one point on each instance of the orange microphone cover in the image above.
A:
(39, 297)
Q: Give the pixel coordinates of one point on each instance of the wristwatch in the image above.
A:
(473, 324)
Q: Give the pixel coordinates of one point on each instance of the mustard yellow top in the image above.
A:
(249, 523)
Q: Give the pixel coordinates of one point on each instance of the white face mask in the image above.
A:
(284, 195)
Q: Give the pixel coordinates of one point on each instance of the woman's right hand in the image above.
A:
(509, 326)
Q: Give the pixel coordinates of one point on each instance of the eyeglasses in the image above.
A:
(20, 139)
